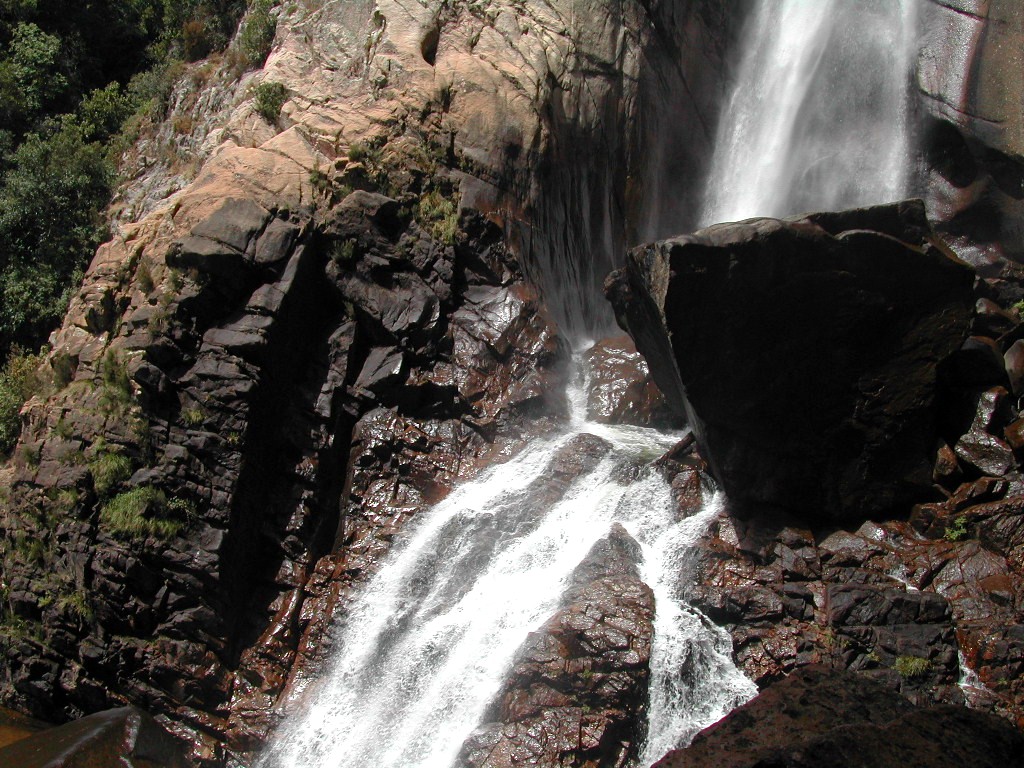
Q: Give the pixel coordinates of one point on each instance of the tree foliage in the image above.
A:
(71, 74)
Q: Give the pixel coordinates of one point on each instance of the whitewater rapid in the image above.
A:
(425, 647)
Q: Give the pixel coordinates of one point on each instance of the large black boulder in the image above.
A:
(804, 351)
(829, 718)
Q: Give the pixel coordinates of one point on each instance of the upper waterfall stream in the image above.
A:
(424, 648)
(818, 117)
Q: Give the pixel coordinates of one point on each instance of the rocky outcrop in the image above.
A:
(125, 737)
(308, 387)
(969, 81)
(804, 351)
(824, 718)
(577, 690)
(620, 389)
(928, 601)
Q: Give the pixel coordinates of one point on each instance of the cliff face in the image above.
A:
(309, 325)
(267, 373)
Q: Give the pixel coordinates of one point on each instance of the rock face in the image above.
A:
(804, 351)
(308, 388)
(822, 718)
(577, 691)
(970, 75)
(124, 737)
(305, 330)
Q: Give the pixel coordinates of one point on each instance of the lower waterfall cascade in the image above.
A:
(422, 652)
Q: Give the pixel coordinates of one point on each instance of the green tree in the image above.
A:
(51, 199)
(30, 77)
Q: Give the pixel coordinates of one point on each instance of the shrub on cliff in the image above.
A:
(18, 382)
(257, 33)
(51, 201)
(268, 98)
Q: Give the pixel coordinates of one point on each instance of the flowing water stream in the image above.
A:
(425, 647)
(817, 120)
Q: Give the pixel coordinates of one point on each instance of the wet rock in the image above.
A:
(822, 717)
(125, 737)
(577, 690)
(978, 363)
(842, 426)
(969, 65)
(979, 447)
(1013, 361)
(620, 387)
(15, 727)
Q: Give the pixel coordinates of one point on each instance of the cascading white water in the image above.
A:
(818, 116)
(424, 649)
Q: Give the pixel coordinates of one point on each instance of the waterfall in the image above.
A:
(424, 649)
(818, 116)
(817, 120)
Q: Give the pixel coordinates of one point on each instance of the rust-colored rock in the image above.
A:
(577, 691)
(620, 389)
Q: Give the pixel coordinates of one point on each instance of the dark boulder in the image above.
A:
(577, 690)
(804, 351)
(126, 737)
(823, 718)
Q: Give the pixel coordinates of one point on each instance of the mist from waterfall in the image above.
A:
(818, 118)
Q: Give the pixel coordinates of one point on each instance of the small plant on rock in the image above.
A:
(957, 530)
(140, 513)
(193, 417)
(77, 604)
(912, 667)
(439, 216)
(108, 469)
(268, 98)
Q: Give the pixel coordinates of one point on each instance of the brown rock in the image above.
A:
(825, 718)
(621, 390)
(979, 447)
(577, 690)
(124, 737)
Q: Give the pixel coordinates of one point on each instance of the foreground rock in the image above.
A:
(15, 727)
(126, 737)
(804, 351)
(827, 719)
(577, 691)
